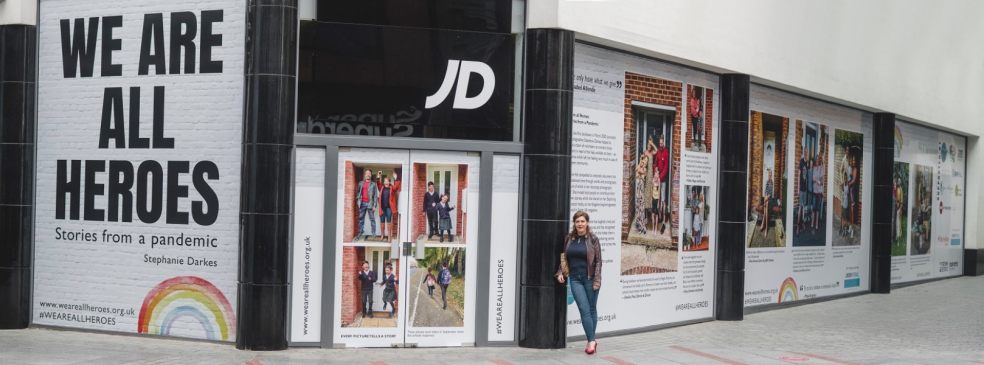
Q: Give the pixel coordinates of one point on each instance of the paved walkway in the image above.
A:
(936, 323)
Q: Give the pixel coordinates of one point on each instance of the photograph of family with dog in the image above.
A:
(650, 228)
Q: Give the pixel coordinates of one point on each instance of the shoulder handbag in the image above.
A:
(563, 265)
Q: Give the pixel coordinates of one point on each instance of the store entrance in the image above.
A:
(406, 239)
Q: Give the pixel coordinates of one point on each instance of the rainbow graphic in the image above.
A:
(187, 296)
(787, 291)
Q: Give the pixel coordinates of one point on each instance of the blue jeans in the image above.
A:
(587, 303)
(363, 209)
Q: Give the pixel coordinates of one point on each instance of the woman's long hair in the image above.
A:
(587, 231)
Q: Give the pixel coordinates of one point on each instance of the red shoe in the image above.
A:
(592, 350)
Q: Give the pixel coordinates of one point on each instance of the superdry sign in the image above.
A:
(405, 82)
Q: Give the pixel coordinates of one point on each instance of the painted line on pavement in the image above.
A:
(706, 355)
(826, 358)
(617, 361)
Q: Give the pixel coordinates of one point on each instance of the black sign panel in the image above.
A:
(476, 15)
(409, 82)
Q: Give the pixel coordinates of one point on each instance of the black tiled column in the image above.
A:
(546, 185)
(729, 292)
(973, 261)
(268, 142)
(17, 84)
(883, 207)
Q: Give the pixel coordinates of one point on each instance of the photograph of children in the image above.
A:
(810, 175)
(650, 224)
(767, 181)
(437, 288)
(371, 196)
(700, 109)
(900, 216)
(370, 283)
(436, 204)
(922, 210)
(848, 165)
(696, 213)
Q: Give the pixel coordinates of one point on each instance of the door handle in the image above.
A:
(407, 248)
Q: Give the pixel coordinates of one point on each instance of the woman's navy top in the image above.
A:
(577, 256)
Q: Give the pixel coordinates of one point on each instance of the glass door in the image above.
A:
(371, 222)
(404, 228)
(444, 234)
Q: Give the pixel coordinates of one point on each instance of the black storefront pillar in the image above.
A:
(883, 207)
(268, 142)
(729, 292)
(17, 84)
(973, 261)
(546, 185)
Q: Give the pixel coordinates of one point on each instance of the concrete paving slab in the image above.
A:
(940, 322)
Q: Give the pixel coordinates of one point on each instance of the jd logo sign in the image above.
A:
(462, 70)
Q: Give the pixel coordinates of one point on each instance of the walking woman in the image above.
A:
(581, 263)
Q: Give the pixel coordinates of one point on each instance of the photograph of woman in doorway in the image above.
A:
(848, 152)
(768, 136)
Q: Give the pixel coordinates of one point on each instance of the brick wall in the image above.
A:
(350, 212)
(419, 224)
(352, 258)
(708, 118)
(460, 216)
(655, 91)
(797, 154)
(755, 162)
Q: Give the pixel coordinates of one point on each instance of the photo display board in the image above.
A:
(307, 254)
(809, 188)
(928, 221)
(505, 242)
(140, 115)
(643, 161)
